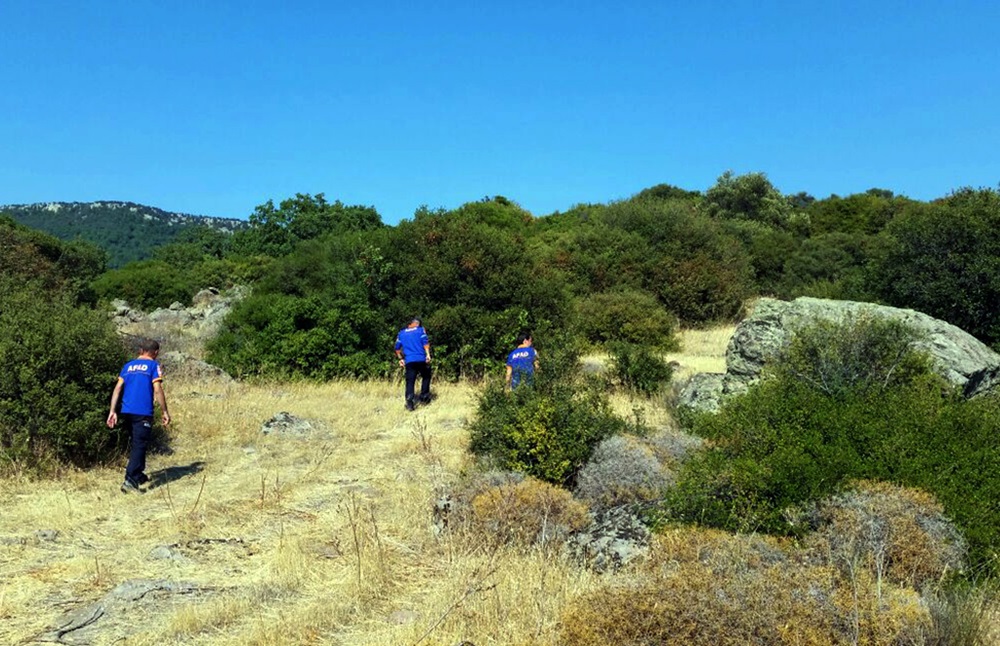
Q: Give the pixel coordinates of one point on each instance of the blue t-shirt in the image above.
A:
(138, 376)
(411, 340)
(522, 363)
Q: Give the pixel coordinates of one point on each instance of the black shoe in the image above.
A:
(142, 479)
(129, 487)
(410, 406)
(424, 401)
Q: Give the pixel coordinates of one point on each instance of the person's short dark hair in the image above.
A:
(416, 319)
(149, 345)
(522, 337)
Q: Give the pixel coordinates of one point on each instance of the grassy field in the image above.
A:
(323, 538)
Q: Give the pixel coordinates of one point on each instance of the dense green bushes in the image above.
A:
(57, 366)
(58, 357)
(547, 430)
(626, 315)
(630, 270)
(943, 259)
(843, 406)
(28, 256)
(638, 369)
(147, 284)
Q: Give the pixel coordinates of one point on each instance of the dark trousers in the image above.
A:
(141, 429)
(412, 370)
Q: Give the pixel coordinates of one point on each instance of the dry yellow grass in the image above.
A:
(324, 539)
(702, 351)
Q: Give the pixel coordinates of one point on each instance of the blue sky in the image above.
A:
(214, 109)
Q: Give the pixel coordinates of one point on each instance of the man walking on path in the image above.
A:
(140, 382)
(413, 349)
(522, 362)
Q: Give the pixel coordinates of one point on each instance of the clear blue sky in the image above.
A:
(214, 107)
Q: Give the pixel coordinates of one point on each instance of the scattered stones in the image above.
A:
(47, 535)
(614, 538)
(195, 324)
(284, 423)
(120, 613)
(180, 364)
(39, 536)
(167, 553)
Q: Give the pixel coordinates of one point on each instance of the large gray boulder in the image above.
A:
(959, 357)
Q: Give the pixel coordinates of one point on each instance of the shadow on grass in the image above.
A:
(170, 474)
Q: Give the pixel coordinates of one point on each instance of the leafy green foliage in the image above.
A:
(148, 284)
(48, 264)
(310, 316)
(626, 315)
(859, 354)
(548, 430)
(865, 213)
(638, 369)
(57, 367)
(747, 197)
(944, 260)
(803, 433)
(274, 231)
(665, 247)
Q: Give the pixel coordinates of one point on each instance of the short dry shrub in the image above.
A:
(897, 533)
(716, 589)
(674, 446)
(622, 471)
(965, 615)
(525, 513)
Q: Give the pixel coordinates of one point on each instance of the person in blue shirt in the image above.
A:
(413, 349)
(140, 383)
(522, 362)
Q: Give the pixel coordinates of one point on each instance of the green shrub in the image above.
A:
(57, 367)
(943, 259)
(147, 284)
(547, 430)
(319, 337)
(50, 265)
(802, 434)
(638, 369)
(626, 315)
(856, 355)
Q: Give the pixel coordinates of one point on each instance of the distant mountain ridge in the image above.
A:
(126, 230)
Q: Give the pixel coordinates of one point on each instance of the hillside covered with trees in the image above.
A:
(332, 283)
(128, 232)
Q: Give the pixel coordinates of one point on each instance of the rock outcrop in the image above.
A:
(959, 357)
(208, 308)
(181, 331)
(614, 538)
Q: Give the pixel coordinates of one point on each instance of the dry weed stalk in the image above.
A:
(477, 585)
